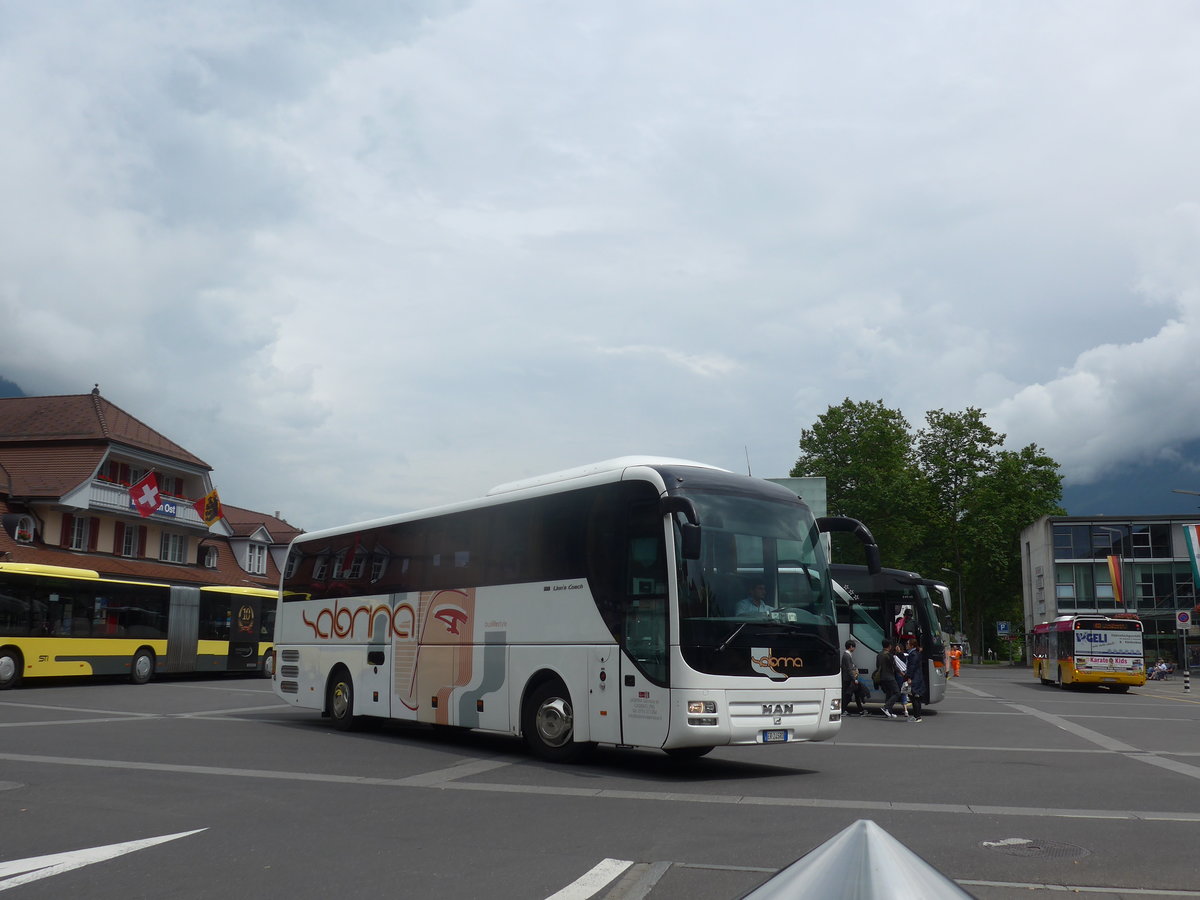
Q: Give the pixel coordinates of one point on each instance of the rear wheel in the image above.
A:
(10, 669)
(339, 701)
(548, 724)
(141, 669)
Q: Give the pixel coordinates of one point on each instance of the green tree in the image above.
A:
(946, 497)
(865, 453)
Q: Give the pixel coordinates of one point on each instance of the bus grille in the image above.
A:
(289, 687)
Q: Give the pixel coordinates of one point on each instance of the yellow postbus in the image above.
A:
(1089, 649)
(58, 621)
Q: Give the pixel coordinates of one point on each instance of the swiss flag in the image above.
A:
(144, 495)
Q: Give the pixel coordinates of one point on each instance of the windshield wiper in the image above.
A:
(735, 633)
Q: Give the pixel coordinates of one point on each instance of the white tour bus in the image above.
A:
(870, 604)
(599, 604)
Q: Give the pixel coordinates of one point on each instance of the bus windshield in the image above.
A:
(761, 582)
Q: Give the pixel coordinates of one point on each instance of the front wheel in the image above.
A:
(548, 724)
(688, 752)
(268, 664)
(340, 701)
(141, 670)
(10, 669)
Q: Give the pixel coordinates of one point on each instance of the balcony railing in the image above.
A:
(172, 510)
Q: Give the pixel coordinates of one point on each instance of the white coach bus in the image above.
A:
(609, 603)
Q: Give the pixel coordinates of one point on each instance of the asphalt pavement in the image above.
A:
(203, 788)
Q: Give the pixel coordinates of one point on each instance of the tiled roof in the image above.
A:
(82, 418)
(245, 522)
(27, 471)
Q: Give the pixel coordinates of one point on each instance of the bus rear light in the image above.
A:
(696, 707)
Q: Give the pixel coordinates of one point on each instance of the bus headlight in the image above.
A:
(702, 712)
(835, 704)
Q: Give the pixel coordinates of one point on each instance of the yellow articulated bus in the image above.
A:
(57, 621)
(1089, 650)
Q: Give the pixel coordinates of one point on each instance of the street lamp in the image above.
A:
(960, 599)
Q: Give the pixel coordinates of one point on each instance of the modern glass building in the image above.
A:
(1068, 565)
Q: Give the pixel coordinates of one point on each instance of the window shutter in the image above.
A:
(119, 539)
(93, 534)
(141, 540)
(68, 523)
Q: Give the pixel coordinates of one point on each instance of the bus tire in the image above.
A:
(10, 668)
(141, 668)
(548, 723)
(268, 664)
(688, 752)
(339, 701)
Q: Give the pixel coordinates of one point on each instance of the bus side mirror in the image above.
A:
(691, 540)
(689, 531)
(826, 524)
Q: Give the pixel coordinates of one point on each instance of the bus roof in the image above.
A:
(500, 494)
(607, 465)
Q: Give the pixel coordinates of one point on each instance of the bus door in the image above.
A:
(645, 697)
(183, 630)
(373, 682)
(245, 614)
(645, 700)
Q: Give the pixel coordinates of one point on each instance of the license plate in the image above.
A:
(774, 737)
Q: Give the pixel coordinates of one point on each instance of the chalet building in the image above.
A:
(66, 467)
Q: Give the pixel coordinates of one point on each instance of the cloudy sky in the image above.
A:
(366, 257)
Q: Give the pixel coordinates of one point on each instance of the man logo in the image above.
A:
(777, 709)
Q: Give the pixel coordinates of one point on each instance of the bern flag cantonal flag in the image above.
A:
(209, 508)
(145, 495)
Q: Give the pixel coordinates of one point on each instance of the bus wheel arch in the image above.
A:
(141, 667)
(339, 699)
(548, 720)
(11, 666)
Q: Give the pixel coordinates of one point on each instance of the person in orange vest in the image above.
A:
(955, 659)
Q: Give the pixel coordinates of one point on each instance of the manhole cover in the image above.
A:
(1037, 849)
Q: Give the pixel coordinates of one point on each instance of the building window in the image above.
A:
(80, 530)
(256, 559)
(321, 567)
(133, 540)
(173, 548)
(293, 562)
(210, 557)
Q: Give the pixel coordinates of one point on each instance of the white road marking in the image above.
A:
(22, 871)
(592, 881)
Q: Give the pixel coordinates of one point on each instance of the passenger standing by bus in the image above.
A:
(851, 688)
(885, 671)
(916, 677)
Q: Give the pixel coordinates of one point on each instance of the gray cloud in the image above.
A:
(366, 259)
